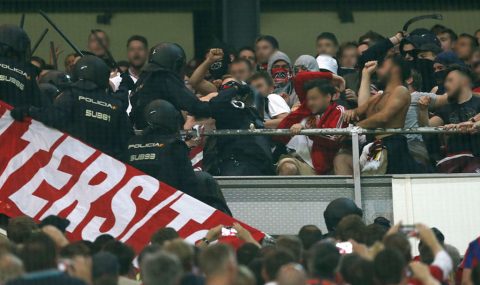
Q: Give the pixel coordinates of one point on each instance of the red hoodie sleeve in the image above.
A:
(294, 117)
(334, 119)
(305, 76)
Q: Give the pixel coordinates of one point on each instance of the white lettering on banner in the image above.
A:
(84, 193)
(24, 197)
(150, 214)
(123, 207)
(5, 122)
(196, 236)
(189, 208)
(39, 137)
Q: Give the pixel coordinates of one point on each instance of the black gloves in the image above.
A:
(19, 113)
(127, 81)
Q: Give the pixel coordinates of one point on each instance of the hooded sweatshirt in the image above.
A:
(283, 78)
(308, 61)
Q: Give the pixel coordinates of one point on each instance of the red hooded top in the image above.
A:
(305, 76)
(324, 148)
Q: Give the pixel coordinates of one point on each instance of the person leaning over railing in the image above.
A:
(463, 111)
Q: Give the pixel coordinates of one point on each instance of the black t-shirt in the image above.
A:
(457, 113)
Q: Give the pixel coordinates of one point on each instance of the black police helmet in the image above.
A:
(58, 78)
(169, 56)
(15, 38)
(92, 72)
(337, 210)
(163, 116)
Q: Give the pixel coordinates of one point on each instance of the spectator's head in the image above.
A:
(374, 233)
(292, 274)
(38, 62)
(161, 268)
(14, 43)
(93, 42)
(183, 251)
(324, 259)
(337, 209)
(327, 63)
(244, 276)
(246, 253)
(20, 228)
(272, 263)
(399, 243)
(137, 51)
(100, 242)
(370, 38)
(348, 54)
(477, 35)
(351, 227)
(291, 244)
(280, 68)
(77, 259)
(393, 68)
(218, 261)
(241, 69)
(465, 46)
(39, 253)
(426, 254)
(60, 223)
(390, 267)
(356, 270)
(105, 269)
(447, 38)
(11, 267)
(148, 250)
(163, 235)
(248, 53)
(327, 44)
(319, 95)
(458, 82)
(265, 46)
(305, 63)
(310, 235)
(69, 62)
(256, 266)
(262, 82)
(124, 254)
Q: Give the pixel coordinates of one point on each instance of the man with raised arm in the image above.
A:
(388, 109)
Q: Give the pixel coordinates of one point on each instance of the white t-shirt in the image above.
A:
(276, 106)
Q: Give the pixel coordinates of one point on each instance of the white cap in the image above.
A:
(328, 63)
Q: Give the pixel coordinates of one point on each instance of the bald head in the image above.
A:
(292, 274)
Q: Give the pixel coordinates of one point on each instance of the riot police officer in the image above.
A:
(243, 155)
(87, 110)
(18, 86)
(160, 152)
(162, 78)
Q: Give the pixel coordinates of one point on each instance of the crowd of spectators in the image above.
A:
(350, 252)
(428, 77)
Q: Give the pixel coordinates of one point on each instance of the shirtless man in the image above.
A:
(388, 110)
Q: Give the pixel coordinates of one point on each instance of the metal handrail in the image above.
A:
(318, 132)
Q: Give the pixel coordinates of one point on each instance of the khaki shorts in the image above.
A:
(303, 167)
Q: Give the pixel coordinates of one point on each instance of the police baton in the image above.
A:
(40, 39)
(54, 55)
(107, 52)
(45, 16)
(22, 21)
(419, 18)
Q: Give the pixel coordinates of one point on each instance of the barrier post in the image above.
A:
(357, 185)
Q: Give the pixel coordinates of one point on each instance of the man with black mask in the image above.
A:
(163, 79)
(17, 75)
(86, 110)
(160, 153)
(414, 48)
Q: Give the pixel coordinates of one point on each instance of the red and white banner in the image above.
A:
(46, 172)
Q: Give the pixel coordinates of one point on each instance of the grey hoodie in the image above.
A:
(308, 61)
(285, 88)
